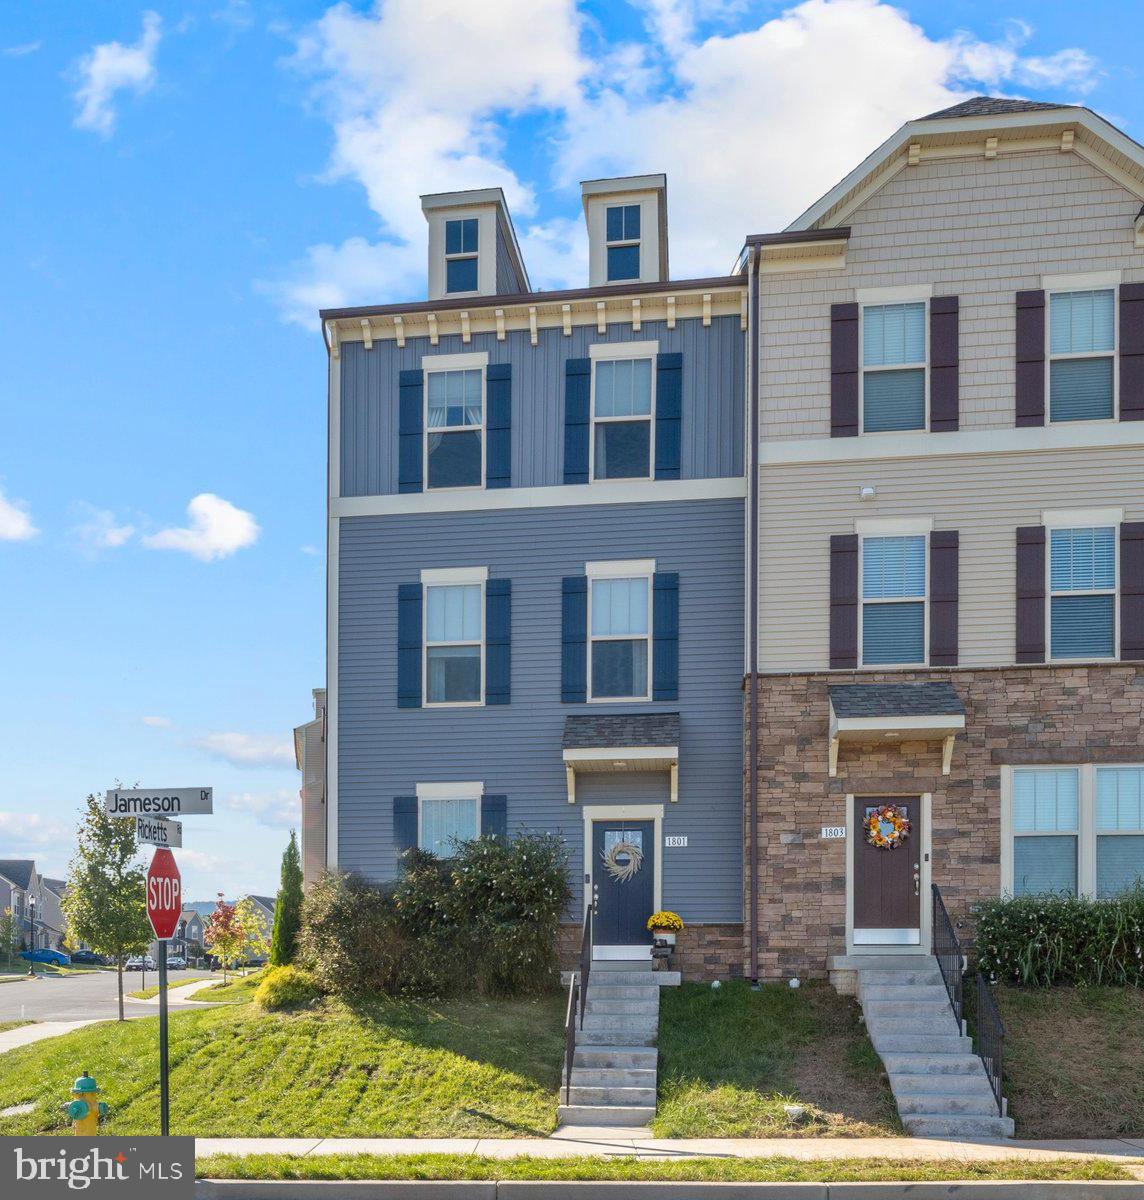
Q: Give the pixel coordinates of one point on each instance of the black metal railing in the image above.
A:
(989, 1034)
(577, 1001)
(585, 961)
(947, 951)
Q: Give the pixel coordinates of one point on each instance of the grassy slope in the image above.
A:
(384, 1070)
(730, 1058)
(6, 1025)
(238, 988)
(761, 1170)
(147, 993)
(1074, 1061)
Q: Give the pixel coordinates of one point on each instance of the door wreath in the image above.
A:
(622, 860)
(887, 827)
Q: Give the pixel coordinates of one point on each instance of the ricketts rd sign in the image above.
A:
(164, 894)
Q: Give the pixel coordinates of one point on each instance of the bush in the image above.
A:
(1044, 941)
(286, 987)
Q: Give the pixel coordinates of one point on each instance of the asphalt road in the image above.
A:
(80, 997)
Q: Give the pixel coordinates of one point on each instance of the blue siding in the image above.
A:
(516, 748)
(508, 282)
(713, 379)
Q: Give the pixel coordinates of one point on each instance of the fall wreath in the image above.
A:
(887, 827)
(623, 860)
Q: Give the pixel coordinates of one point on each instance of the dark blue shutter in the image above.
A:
(409, 645)
(498, 641)
(577, 400)
(665, 636)
(404, 823)
(498, 447)
(668, 414)
(574, 640)
(494, 816)
(410, 431)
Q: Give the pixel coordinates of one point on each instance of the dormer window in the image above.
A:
(461, 256)
(623, 242)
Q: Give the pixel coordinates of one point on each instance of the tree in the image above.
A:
(8, 937)
(106, 902)
(225, 937)
(288, 907)
(254, 925)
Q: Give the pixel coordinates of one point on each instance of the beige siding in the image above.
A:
(985, 497)
(978, 229)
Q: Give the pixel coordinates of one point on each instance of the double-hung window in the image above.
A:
(1082, 592)
(619, 624)
(455, 411)
(454, 643)
(1119, 829)
(447, 813)
(461, 255)
(893, 367)
(623, 403)
(1082, 355)
(622, 239)
(1045, 830)
(894, 600)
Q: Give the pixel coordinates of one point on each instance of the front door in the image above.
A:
(623, 882)
(887, 879)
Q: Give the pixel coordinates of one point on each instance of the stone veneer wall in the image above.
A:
(1014, 716)
(702, 952)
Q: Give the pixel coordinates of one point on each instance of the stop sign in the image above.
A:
(164, 894)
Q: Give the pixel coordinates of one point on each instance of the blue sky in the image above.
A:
(186, 183)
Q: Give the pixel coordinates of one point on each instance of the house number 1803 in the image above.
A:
(675, 840)
(833, 831)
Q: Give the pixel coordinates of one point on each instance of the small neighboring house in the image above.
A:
(264, 909)
(55, 920)
(35, 907)
(188, 939)
(310, 757)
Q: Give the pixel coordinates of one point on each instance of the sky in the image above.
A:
(185, 184)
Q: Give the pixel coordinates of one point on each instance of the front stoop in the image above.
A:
(614, 1067)
(938, 1082)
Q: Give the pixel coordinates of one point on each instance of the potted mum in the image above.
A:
(664, 926)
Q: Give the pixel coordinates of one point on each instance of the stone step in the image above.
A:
(958, 1063)
(882, 992)
(614, 1077)
(634, 1008)
(942, 1126)
(931, 1085)
(616, 1057)
(624, 1036)
(914, 1009)
(593, 1115)
(623, 1097)
(945, 1104)
(919, 1043)
(606, 990)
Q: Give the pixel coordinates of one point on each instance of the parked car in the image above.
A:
(57, 958)
(89, 958)
(176, 962)
(139, 962)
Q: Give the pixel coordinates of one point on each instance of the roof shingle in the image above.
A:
(18, 871)
(992, 106)
(896, 700)
(621, 729)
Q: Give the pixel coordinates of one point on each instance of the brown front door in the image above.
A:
(887, 882)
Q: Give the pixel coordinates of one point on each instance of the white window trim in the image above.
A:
(1073, 518)
(909, 293)
(637, 242)
(618, 352)
(1082, 283)
(449, 791)
(862, 602)
(892, 526)
(478, 360)
(448, 258)
(451, 578)
(901, 296)
(613, 570)
(1114, 592)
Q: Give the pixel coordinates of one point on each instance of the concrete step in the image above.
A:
(919, 1043)
(943, 1104)
(646, 978)
(624, 1036)
(943, 1126)
(616, 1057)
(643, 1077)
(599, 1020)
(959, 1063)
(609, 966)
(634, 1008)
(914, 1009)
(623, 1097)
(882, 992)
(931, 1085)
(900, 978)
(606, 990)
(592, 1115)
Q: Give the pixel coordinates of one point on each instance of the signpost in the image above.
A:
(155, 831)
(164, 904)
(165, 802)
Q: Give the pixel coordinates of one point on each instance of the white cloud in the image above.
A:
(112, 67)
(99, 529)
(158, 722)
(15, 521)
(216, 529)
(249, 749)
(25, 832)
(22, 50)
(751, 127)
(311, 551)
(280, 810)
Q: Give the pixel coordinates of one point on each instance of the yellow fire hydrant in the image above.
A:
(85, 1110)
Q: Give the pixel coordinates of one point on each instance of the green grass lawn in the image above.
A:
(6, 1025)
(382, 1069)
(693, 1170)
(147, 993)
(730, 1058)
(237, 989)
(1074, 1061)
(17, 971)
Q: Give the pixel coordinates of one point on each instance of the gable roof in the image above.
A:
(18, 871)
(267, 902)
(992, 106)
(59, 886)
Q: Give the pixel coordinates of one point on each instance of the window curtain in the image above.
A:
(444, 822)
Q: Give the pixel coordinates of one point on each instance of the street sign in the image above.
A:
(159, 802)
(155, 831)
(164, 894)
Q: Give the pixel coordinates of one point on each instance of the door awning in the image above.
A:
(621, 742)
(865, 712)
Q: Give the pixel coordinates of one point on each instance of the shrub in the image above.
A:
(286, 987)
(1042, 941)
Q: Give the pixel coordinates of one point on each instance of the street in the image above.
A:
(79, 997)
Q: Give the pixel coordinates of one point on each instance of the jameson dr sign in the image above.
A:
(156, 831)
(159, 802)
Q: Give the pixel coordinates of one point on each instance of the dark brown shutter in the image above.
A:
(1132, 591)
(1030, 358)
(943, 598)
(943, 364)
(1031, 594)
(844, 370)
(844, 601)
(1132, 351)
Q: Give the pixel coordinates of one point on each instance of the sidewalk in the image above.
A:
(25, 1035)
(182, 991)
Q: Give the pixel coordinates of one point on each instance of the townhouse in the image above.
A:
(536, 567)
(947, 602)
(34, 903)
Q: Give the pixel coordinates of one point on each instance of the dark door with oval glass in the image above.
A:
(887, 880)
(623, 882)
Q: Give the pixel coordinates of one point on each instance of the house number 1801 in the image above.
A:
(675, 840)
